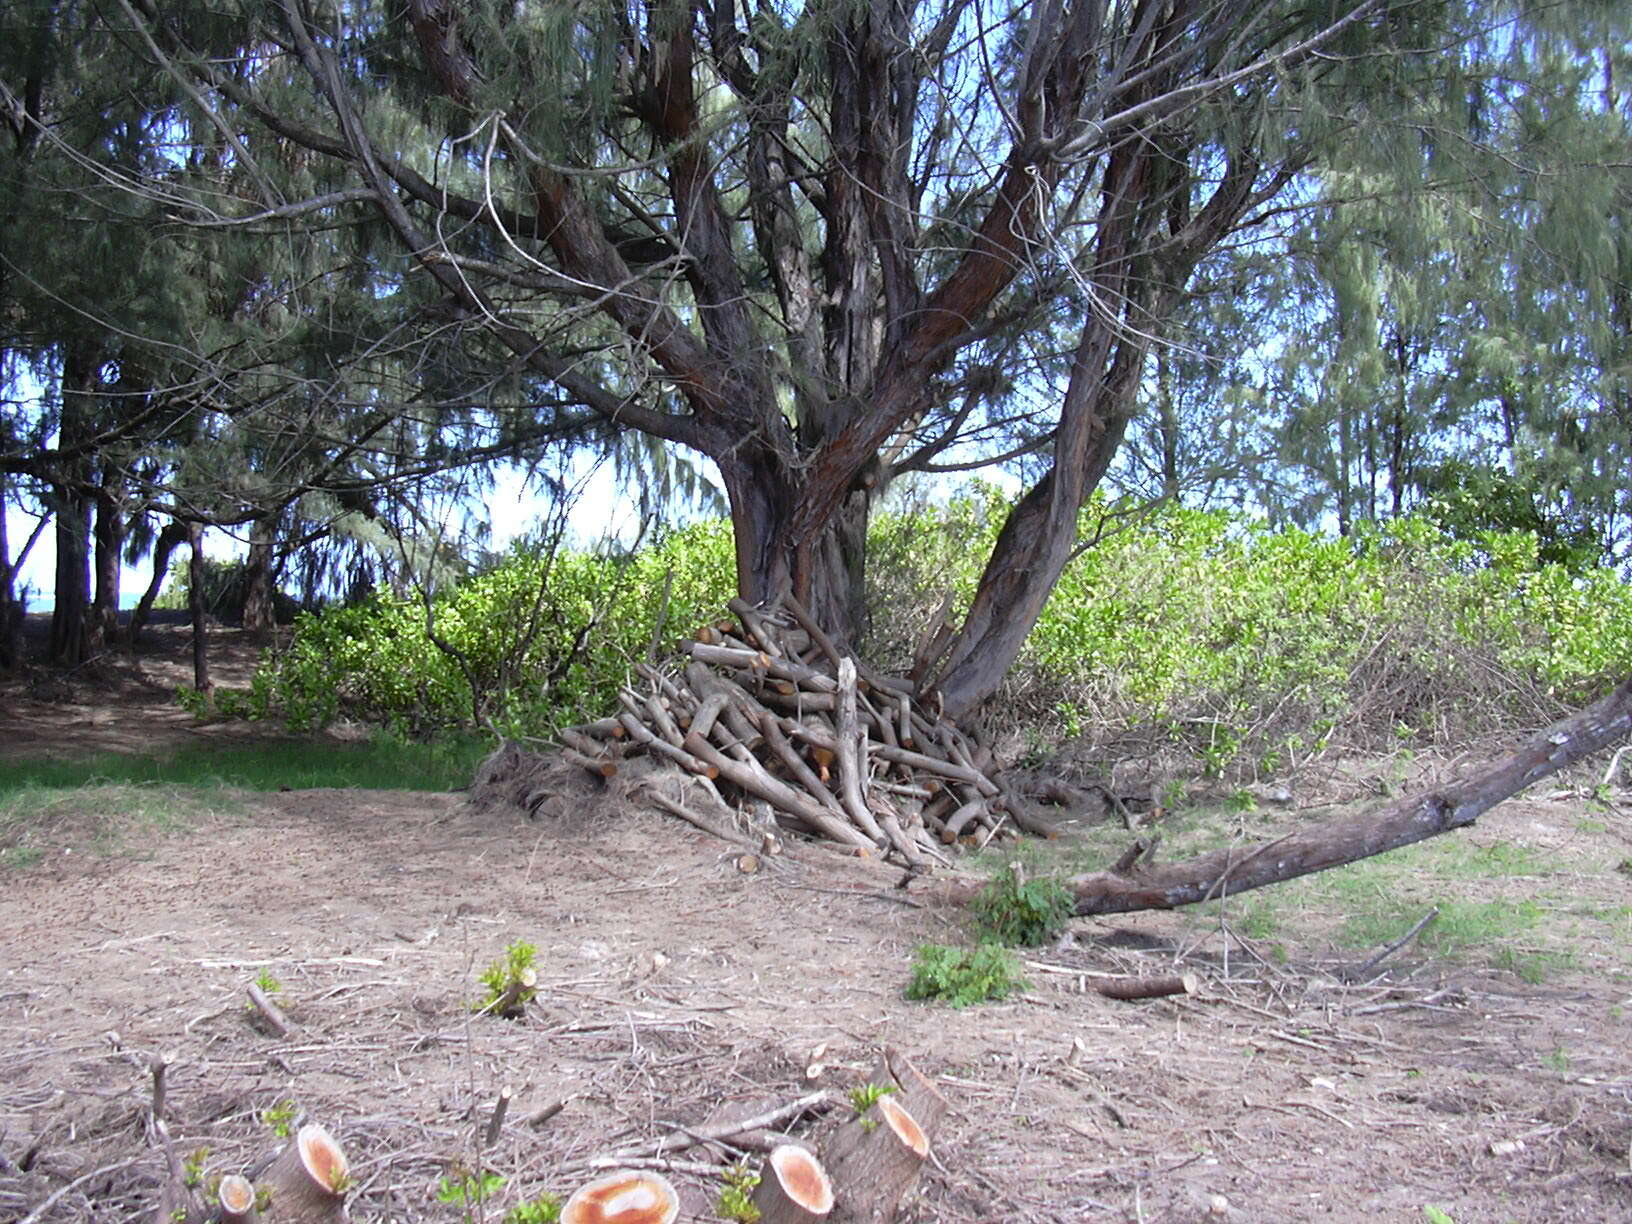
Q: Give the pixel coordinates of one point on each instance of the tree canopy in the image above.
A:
(1324, 260)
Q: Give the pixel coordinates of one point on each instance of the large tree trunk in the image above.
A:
(260, 612)
(109, 534)
(70, 641)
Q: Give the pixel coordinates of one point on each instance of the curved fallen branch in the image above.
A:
(1347, 839)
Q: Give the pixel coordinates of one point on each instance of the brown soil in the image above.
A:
(673, 986)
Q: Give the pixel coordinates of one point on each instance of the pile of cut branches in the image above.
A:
(765, 709)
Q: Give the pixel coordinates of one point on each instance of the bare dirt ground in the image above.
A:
(673, 988)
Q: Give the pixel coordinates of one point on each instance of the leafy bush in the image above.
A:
(538, 641)
(961, 976)
(1248, 646)
(1018, 912)
(1253, 647)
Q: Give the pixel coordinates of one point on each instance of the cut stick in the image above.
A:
(817, 634)
(754, 779)
(236, 1195)
(735, 658)
(308, 1180)
(756, 627)
(269, 1011)
(699, 821)
(659, 718)
(852, 756)
(708, 712)
(954, 824)
(495, 1124)
(793, 1187)
(778, 743)
(642, 735)
(600, 766)
(933, 765)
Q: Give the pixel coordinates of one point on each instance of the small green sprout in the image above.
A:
(279, 1117)
(511, 983)
(736, 1196)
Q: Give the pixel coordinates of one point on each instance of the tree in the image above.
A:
(821, 246)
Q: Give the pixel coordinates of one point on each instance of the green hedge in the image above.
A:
(1241, 641)
(547, 641)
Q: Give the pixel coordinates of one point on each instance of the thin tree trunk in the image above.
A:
(173, 535)
(195, 603)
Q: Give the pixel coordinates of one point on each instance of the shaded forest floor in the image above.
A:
(1492, 1080)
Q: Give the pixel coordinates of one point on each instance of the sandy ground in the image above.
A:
(675, 988)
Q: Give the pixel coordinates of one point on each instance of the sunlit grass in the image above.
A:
(376, 764)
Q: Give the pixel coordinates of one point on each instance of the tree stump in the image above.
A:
(793, 1188)
(307, 1181)
(875, 1159)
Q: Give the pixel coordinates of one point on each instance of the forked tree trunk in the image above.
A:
(170, 538)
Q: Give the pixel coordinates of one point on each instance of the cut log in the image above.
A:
(793, 1187)
(1130, 988)
(270, 1013)
(308, 1180)
(237, 1197)
(624, 1196)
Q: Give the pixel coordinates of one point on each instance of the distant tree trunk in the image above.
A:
(260, 614)
(174, 534)
(195, 602)
(70, 642)
(11, 614)
(109, 532)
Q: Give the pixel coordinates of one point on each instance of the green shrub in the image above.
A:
(1018, 912)
(536, 642)
(961, 976)
(1250, 647)
(1253, 647)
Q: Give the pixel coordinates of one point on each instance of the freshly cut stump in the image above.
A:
(627, 1196)
(874, 1160)
(237, 1197)
(308, 1180)
(793, 1188)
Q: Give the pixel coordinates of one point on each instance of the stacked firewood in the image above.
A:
(767, 709)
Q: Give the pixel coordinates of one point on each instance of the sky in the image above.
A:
(514, 506)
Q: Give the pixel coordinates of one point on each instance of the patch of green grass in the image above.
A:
(1461, 925)
(99, 819)
(382, 763)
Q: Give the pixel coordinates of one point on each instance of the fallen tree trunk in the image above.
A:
(1347, 839)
